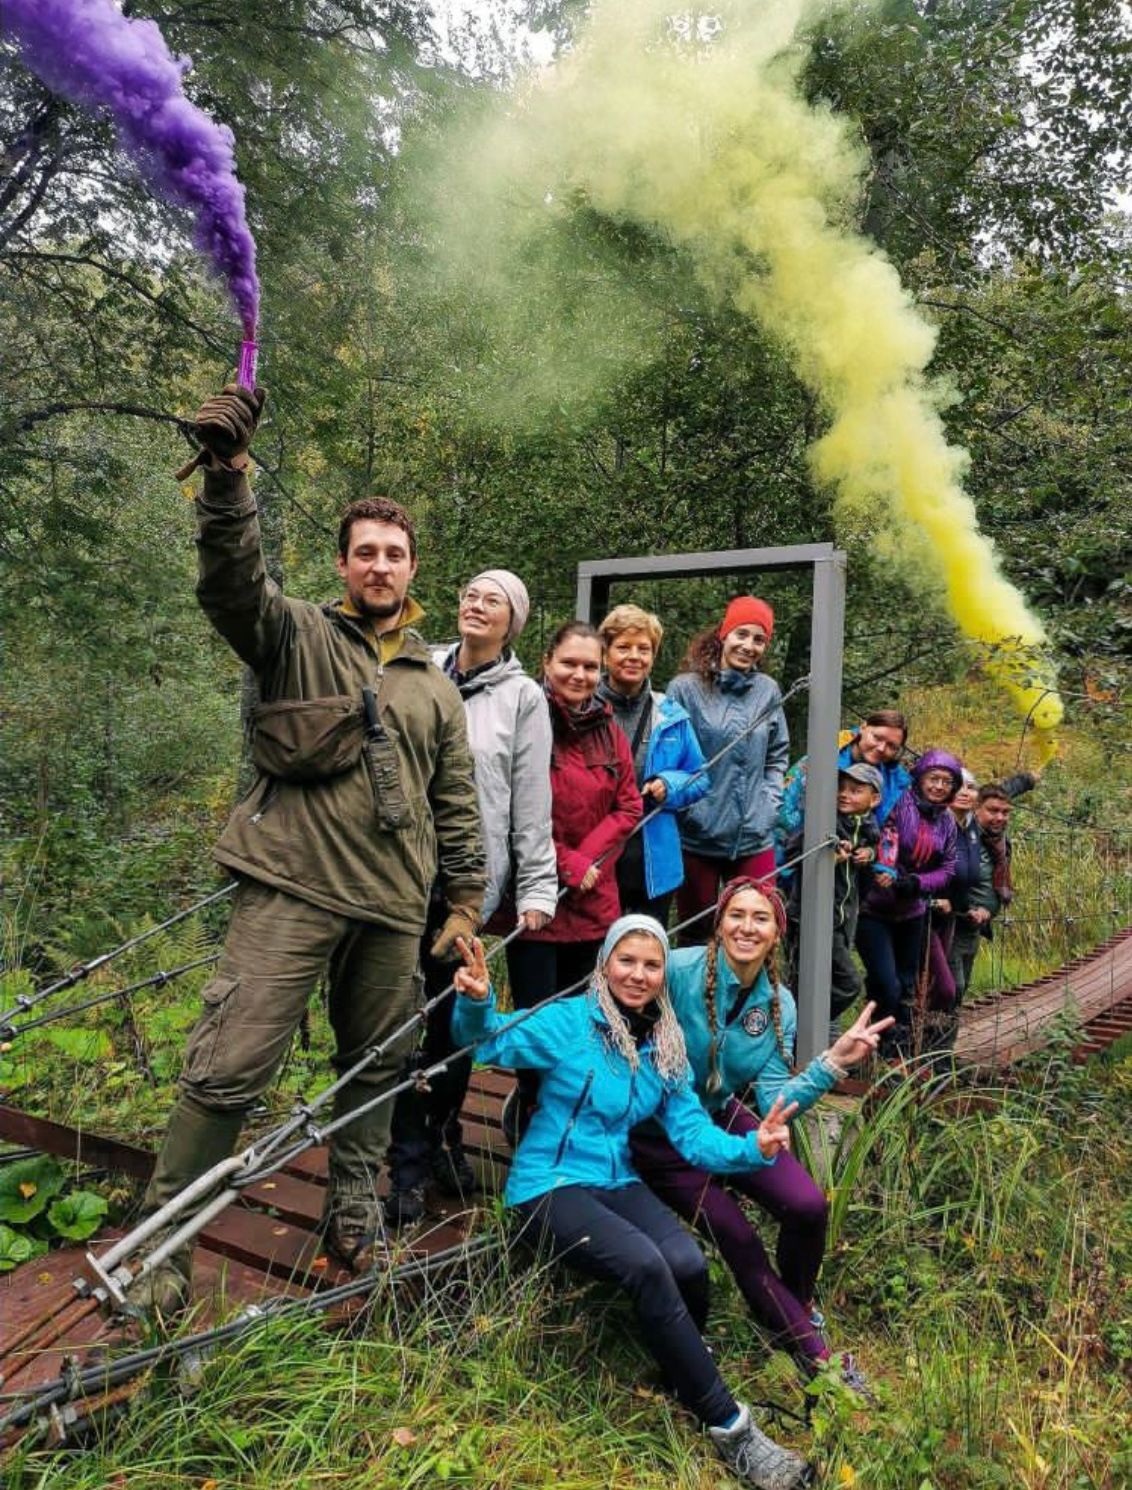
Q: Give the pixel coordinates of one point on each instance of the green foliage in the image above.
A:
(982, 1271)
(77, 1215)
(17, 1247)
(27, 1186)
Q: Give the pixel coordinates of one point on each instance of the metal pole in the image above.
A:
(827, 630)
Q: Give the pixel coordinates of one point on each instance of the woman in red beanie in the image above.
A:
(730, 831)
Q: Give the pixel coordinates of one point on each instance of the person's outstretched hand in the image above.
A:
(773, 1133)
(471, 980)
(855, 1043)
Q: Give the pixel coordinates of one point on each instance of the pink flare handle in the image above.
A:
(249, 353)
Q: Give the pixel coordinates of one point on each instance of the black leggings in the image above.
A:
(631, 1238)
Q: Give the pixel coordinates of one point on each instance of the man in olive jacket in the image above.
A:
(364, 797)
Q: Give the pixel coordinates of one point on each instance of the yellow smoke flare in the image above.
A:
(695, 125)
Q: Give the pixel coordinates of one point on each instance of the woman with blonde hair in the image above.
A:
(739, 1024)
(608, 1060)
(667, 758)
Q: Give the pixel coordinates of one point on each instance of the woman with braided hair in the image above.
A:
(739, 1024)
(608, 1060)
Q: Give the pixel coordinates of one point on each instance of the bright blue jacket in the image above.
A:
(673, 754)
(746, 1046)
(736, 816)
(589, 1098)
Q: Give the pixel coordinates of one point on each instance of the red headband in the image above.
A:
(765, 889)
(747, 610)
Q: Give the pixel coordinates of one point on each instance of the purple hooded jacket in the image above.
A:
(926, 839)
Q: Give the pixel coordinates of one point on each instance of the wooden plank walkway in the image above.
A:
(999, 1030)
(262, 1247)
(266, 1245)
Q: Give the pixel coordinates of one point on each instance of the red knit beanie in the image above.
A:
(747, 610)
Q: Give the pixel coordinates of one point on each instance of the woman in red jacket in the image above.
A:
(595, 806)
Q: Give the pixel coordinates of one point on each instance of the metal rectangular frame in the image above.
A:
(827, 628)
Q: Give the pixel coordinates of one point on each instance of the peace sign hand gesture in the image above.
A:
(773, 1133)
(855, 1043)
(471, 980)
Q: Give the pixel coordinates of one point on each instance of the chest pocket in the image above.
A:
(307, 740)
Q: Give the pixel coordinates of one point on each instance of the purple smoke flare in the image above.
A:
(91, 54)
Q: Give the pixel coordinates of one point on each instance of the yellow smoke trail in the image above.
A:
(695, 125)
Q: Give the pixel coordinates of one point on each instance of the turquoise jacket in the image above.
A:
(589, 1098)
(746, 1046)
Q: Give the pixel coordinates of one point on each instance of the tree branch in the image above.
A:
(84, 406)
(83, 259)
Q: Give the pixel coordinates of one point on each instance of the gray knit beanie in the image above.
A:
(517, 597)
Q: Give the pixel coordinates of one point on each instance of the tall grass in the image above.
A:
(980, 1263)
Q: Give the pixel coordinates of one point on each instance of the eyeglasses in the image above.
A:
(489, 603)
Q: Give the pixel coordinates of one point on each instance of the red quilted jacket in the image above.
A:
(595, 805)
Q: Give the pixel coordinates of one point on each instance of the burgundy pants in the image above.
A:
(703, 880)
(781, 1301)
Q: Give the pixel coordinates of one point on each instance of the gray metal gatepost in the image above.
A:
(827, 621)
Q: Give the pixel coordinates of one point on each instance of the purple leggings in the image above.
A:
(781, 1300)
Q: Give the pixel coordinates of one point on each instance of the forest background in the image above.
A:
(999, 1325)
(996, 133)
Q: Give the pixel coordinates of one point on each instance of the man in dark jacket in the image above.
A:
(986, 888)
(364, 797)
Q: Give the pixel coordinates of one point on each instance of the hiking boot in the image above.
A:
(167, 1291)
(403, 1206)
(754, 1459)
(451, 1171)
(353, 1233)
(817, 1324)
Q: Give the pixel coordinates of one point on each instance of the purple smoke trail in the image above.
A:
(91, 54)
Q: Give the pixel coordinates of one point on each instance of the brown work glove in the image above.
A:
(224, 425)
(462, 920)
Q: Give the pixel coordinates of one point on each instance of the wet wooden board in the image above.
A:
(999, 1032)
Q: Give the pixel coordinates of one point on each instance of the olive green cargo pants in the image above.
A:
(276, 949)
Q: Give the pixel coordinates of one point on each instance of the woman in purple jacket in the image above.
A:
(893, 931)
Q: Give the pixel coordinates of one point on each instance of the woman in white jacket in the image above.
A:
(509, 734)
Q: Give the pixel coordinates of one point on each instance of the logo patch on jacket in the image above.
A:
(756, 1021)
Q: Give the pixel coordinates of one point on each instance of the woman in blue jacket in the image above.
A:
(730, 831)
(666, 757)
(739, 1024)
(609, 1060)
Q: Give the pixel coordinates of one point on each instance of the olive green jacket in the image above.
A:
(358, 820)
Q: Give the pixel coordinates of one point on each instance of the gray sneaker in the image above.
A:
(754, 1459)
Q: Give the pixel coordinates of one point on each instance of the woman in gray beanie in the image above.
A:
(509, 733)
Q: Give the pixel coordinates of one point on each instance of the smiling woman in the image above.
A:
(608, 1060)
(595, 806)
(730, 702)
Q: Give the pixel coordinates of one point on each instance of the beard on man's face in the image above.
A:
(366, 603)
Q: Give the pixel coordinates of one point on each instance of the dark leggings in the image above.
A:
(892, 952)
(628, 1237)
(781, 1300)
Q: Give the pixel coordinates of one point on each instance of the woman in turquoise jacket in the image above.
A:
(739, 1024)
(609, 1060)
